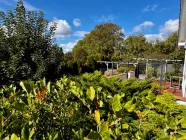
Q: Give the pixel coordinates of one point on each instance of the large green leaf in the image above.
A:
(183, 122)
(31, 133)
(182, 138)
(105, 135)
(14, 137)
(7, 138)
(125, 126)
(25, 133)
(23, 86)
(132, 108)
(104, 126)
(49, 87)
(128, 105)
(182, 132)
(91, 93)
(55, 137)
(104, 130)
(27, 86)
(116, 105)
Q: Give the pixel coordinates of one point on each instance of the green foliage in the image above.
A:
(27, 47)
(104, 39)
(116, 105)
(121, 70)
(151, 72)
(136, 45)
(90, 107)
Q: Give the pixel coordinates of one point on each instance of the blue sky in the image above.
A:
(155, 18)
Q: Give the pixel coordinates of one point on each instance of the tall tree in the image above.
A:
(136, 45)
(28, 46)
(170, 43)
(103, 39)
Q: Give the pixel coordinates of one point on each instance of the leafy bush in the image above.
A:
(151, 73)
(121, 70)
(89, 107)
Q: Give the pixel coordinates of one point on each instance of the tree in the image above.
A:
(171, 43)
(168, 49)
(104, 39)
(80, 50)
(28, 46)
(136, 45)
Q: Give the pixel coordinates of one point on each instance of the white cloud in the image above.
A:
(154, 37)
(104, 18)
(80, 33)
(77, 22)
(63, 29)
(169, 27)
(149, 8)
(145, 25)
(69, 46)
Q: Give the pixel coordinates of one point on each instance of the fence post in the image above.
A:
(107, 66)
(179, 83)
(147, 68)
(161, 78)
(165, 73)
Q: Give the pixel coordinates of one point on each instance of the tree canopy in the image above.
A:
(107, 40)
(104, 39)
(27, 46)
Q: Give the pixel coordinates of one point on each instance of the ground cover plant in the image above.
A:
(90, 107)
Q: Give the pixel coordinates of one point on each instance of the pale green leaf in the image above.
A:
(55, 137)
(23, 86)
(14, 137)
(91, 93)
(125, 126)
(31, 133)
(48, 87)
(128, 105)
(183, 122)
(104, 126)
(116, 105)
